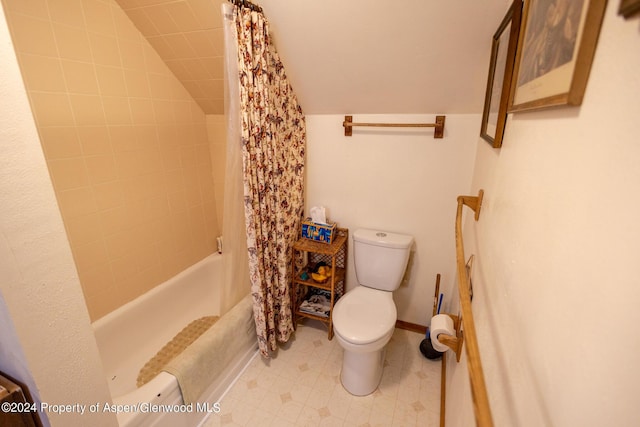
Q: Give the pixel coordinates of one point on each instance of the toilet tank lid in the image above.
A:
(383, 238)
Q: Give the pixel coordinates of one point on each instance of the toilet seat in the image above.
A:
(364, 315)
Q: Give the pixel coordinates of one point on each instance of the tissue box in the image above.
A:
(324, 233)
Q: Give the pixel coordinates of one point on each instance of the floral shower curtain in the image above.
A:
(273, 143)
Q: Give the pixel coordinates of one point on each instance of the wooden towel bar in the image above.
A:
(348, 124)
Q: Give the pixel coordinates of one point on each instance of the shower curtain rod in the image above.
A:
(244, 3)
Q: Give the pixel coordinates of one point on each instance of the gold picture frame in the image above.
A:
(628, 8)
(556, 46)
(503, 55)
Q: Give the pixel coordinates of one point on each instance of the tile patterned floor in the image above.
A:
(301, 387)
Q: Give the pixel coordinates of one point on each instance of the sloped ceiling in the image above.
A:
(355, 56)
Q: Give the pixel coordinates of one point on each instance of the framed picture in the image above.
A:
(629, 8)
(555, 49)
(503, 55)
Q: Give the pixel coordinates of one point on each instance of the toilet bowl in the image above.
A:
(363, 321)
(364, 318)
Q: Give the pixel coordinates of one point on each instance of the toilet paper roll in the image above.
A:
(441, 324)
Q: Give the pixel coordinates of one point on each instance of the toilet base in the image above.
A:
(361, 372)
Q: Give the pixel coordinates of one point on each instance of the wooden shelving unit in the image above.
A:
(334, 256)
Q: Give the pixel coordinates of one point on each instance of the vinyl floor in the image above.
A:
(301, 387)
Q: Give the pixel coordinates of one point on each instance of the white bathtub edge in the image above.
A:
(219, 391)
(167, 386)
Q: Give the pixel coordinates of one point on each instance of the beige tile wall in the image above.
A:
(126, 145)
(217, 131)
(188, 36)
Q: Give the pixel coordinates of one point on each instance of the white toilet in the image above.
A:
(365, 317)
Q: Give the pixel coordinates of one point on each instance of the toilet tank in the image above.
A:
(380, 258)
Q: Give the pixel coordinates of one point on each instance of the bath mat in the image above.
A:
(207, 361)
(186, 336)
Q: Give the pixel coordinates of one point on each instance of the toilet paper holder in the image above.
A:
(454, 343)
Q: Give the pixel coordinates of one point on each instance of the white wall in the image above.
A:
(398, 180)
(385, 57)
(556, 287)
(38, 280)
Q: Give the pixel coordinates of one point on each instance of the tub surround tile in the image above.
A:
(66, 12)
(32, 35)
(99, 303)
(34, 8)
(114, 123)
(77, 202)
(111, 80)
(97, 15)
(132, 55)
(183, 16)
(87, 110)
(68, 173)
(51, 109)
(43, 73)
(80, 77)
(60, 142)
(72, 42)
(99, 283)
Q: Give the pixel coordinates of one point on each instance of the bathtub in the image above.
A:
(129, 336)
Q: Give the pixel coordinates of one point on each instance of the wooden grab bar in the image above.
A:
(479, 396)
(348, 124)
